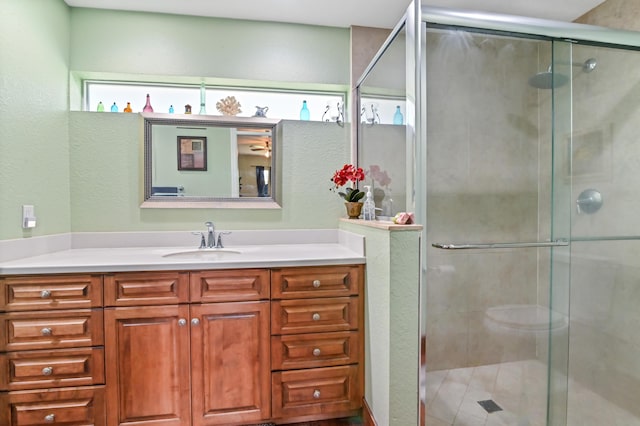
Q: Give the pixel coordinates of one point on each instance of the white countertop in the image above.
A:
(109, 258)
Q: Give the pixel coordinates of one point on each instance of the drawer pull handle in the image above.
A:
(195, 321)
(316, 283)
(316, 394)
(182, 322)
(46, 331)
(316, 352)
(50, 418)
(45, 294)
(47, 371)
(316, 317)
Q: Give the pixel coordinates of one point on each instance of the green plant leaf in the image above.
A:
(354, 196)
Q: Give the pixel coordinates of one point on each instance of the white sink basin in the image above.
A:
(203, 254)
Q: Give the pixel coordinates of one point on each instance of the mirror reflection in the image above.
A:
(208, 159)
(382, 131)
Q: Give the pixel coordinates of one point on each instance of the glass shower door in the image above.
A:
(604, 344)
(495, 242)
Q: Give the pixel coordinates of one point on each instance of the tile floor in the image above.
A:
(519, 388)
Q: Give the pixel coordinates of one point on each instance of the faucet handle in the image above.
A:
(219, 243)
(203, 242)
(209, 226)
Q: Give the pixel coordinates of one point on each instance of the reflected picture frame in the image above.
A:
(192, 153)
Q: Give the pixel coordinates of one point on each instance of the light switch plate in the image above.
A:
(28, 216)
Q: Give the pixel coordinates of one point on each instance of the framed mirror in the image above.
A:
(200, 161)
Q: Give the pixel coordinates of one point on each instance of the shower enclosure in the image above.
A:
(519, 154)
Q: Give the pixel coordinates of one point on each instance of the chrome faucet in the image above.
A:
(211, 234)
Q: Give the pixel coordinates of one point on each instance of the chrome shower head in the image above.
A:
(547, 79)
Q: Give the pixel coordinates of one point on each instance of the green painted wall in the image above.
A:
(392, 341)
(34, 151)
(213, 182)
(106, 176)
(82, 171)
(152, 44)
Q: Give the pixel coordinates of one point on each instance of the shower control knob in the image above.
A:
(589, 201)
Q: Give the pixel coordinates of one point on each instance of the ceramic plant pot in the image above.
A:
(353, 209)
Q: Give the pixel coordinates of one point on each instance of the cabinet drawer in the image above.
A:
(230, 286)
(314, 350)
(316, 391)
(321, 281)
(50, 292)
(67, 406)
(314, 315)
(51, 329)
(146, 288)
(47, 369)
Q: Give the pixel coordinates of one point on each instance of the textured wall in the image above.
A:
(619, 14)
(187, 46)
(106, 178)
(34, 159)
(82, 172)
(391, 320)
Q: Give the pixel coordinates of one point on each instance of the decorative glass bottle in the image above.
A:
(100, 107)
(114, 107)
(171, 110)
(203, 98)
(397, 117)
(147, 106)
(304, 112)
(128, 107)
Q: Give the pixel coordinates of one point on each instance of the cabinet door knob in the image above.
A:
(195, 321)
(45, 294)
(47, 371)
(316, 317)
(316, 394)
(50, 418)
(316, 352)
(46, 331)
(316, 283)
(182, 322)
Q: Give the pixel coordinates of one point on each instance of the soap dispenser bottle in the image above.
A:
(369, 207)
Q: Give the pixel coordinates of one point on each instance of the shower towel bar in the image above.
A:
(607, 238)
(557, 243)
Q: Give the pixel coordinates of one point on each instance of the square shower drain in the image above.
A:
(490, 406)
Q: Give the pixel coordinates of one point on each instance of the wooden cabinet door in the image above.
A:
(230, 363)
(148, 367)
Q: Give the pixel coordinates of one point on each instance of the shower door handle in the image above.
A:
(481, 246)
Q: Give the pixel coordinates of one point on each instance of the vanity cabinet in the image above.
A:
(51, 350)
(188, 362)
(182, 348)
(316, 342)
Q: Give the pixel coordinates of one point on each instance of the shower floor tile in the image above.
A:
(519, 388)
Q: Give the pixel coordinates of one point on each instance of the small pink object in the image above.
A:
(404, 218)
